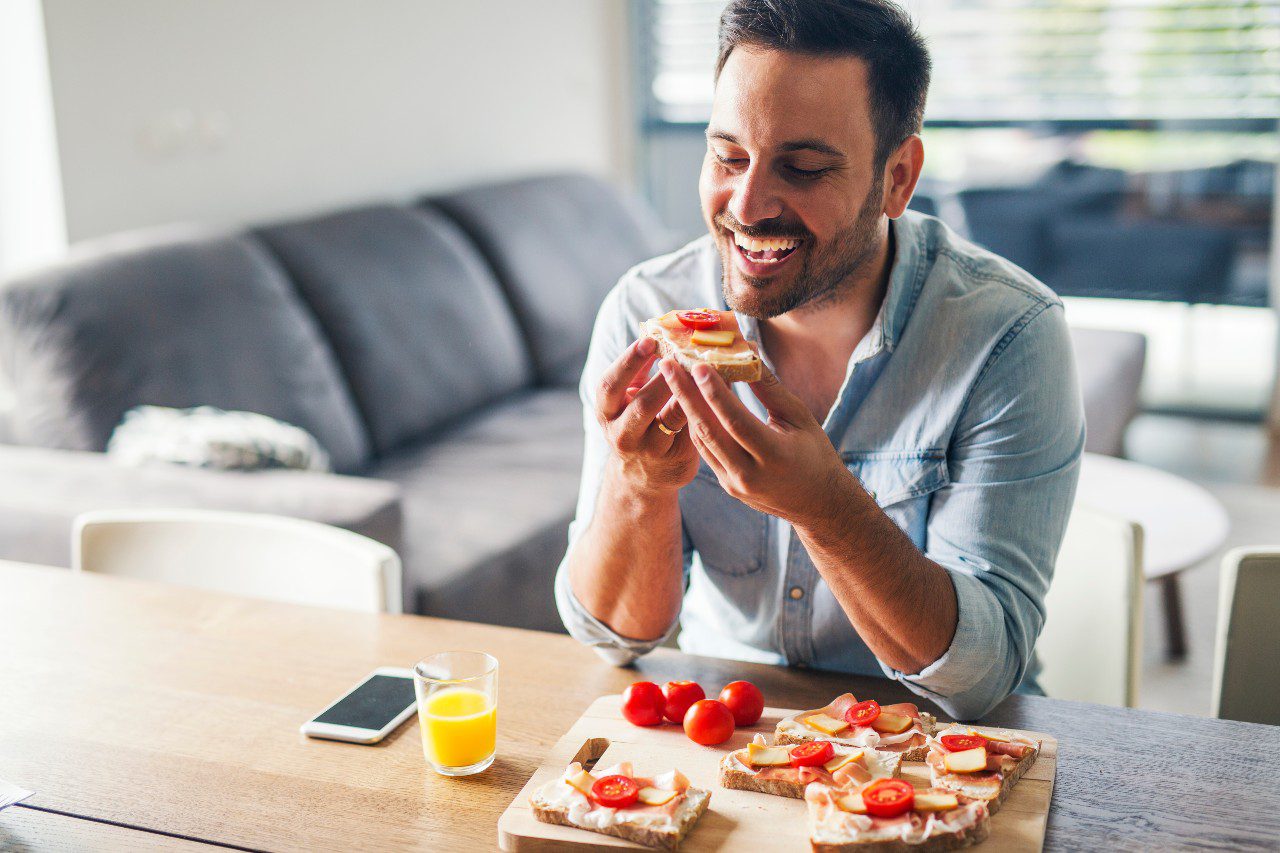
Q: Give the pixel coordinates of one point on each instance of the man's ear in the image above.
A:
(901, 173)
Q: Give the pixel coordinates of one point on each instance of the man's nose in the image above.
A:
(755, 197)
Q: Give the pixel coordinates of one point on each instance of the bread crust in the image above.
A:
(916, 753)
(749, 371)
(649, 837)
(949, 841)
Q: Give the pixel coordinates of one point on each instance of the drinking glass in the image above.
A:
(458, 711)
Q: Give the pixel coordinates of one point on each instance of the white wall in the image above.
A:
(32, 229)
(242, 110)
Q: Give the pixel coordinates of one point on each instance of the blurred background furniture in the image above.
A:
(253, 554)
(1109, 367)
(1090, 649)
(1182, 524)
(432, 349)
(1246, 677)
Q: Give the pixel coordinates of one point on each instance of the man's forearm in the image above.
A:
(901, 603)
(627, 567)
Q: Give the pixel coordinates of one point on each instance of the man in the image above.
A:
(891, 497)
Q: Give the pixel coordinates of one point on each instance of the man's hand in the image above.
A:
(786, 467)
(630, 408)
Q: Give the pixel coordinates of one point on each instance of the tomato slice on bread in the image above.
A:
(959, 743)
(615, 792)
(706, 319)
(863, 713)
(888, 797)
(812, 754)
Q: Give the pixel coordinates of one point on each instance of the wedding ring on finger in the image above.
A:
(665, 429)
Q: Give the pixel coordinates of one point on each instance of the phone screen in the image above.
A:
(376, 702)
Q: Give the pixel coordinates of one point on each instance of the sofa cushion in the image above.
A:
(487, 510)
(558, 245)
(46, 489)
(1109, 365)
(416, 319)
(174, 319)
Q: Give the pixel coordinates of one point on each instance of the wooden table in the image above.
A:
(171, 710)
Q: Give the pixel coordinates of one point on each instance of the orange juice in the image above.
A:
(459, 727)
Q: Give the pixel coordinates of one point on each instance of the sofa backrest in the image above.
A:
(558, 244)
(417, 322)
(170, 318)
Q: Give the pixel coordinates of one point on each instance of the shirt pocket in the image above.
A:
(729, 536)
(902, 483)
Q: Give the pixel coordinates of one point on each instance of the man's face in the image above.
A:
(789, 188)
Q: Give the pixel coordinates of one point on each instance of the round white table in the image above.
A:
(1182, 524)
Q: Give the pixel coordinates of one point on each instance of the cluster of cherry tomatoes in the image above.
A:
(706, 721)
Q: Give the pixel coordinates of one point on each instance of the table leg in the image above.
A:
(1175, 631)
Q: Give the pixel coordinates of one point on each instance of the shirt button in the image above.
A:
(796, 593)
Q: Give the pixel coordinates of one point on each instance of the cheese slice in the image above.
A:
(767, 756)
(852, 803)
(582, 781)
(657, 796)
(825, 724)
(842, 759)
(928, 801)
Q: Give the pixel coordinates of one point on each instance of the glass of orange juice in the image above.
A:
(458, 710)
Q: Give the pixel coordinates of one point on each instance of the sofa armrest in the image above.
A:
(44, 490)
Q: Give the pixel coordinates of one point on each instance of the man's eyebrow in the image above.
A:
(795, 145)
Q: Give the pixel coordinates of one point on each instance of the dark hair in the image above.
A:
(878, 32)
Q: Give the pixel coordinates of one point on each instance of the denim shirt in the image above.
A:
(960, 415)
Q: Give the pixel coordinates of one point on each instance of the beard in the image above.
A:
(827, 272)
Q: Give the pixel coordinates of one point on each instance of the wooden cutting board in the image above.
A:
(734, 820)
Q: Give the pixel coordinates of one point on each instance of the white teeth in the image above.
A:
(751, 244)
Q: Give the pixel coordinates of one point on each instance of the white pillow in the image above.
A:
(207, 437)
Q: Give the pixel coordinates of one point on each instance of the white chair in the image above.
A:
(1091, 645)
(1246, 667)
(263, 556)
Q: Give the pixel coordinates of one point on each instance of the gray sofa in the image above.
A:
(432, 348)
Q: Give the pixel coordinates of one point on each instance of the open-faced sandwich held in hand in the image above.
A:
(982, 764)
(785, 770)
(655, 812)
(902, 728)
(705, 336)
(889, 815)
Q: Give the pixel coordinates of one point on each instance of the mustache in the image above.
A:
(768, 229)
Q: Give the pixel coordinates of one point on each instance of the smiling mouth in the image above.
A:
(767, 251)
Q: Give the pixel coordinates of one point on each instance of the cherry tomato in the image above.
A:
(745, 702)
(643, 704)
(812, 754)
(888, 797)
(680, 695)
(616, 792)
(708, 722)
(959, 743)
(863, 713)
(698, 319)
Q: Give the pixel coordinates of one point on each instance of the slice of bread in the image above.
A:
(789, 734)
(979, 786)
(736, 362)
(686, 816)
(736, 773)
(844, 836)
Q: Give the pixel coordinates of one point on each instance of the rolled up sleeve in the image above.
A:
(997, 526)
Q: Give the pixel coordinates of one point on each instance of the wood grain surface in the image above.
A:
(735, 820)
(25, 830)
(178, 710)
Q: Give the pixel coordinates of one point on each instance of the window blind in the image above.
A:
(1032, 60)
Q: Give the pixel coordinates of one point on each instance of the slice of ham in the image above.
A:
(1015, 750)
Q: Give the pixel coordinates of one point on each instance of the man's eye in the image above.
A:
(730, 161)
(805, 173)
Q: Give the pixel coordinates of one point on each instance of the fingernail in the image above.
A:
(646, 345)
(702, 373)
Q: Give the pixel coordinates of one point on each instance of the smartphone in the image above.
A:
(369, 711)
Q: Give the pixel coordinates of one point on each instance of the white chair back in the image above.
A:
(262, 556)
(1091, 645)
(1246, 670)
